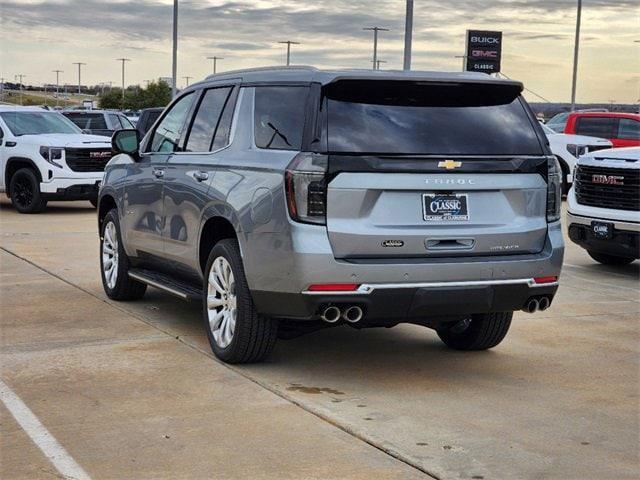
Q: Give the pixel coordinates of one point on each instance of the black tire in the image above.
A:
(480, 332)
(566, 186)
(254, 336)
(25, 192)
(124, 287)
(606, 259)
(94, 202)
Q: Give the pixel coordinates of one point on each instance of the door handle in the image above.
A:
(158, 172)
(200, 175)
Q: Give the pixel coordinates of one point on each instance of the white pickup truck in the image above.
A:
(604, 205)
(44, 156)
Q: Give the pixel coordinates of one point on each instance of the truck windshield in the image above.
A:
(37, 123)
(391, 117)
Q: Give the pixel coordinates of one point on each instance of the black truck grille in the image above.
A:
(87, 159)
(617, 188)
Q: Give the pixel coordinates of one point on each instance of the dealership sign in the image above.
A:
(484, 51)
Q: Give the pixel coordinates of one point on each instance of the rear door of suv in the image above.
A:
(419, 169)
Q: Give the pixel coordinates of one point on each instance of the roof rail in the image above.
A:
(262, 69)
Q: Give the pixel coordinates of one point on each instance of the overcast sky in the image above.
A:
(38, 36)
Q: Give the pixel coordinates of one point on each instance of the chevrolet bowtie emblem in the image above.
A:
(449, 164)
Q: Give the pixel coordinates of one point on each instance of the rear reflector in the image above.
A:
(545, 279)
(334, 287)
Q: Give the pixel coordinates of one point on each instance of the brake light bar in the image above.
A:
(549, 279)
(333, 287)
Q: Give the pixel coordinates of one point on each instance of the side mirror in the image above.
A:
(126, 141)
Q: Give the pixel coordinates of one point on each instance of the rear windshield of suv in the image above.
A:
(390, 117)
(90, 121)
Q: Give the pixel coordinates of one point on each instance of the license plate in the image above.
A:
(602, 230)
(445, 207)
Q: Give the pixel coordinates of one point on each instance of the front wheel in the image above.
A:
(478, 332)
(236, 333)
(606, 259)
(25, 192)
(114, 263)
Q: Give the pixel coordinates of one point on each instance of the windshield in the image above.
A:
(88, 121)
(391, 117)
(37, 123)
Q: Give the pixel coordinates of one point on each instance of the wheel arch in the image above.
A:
(213, 230)
(106, 203)
(13, 165)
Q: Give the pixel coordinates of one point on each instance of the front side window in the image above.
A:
(206, 120)
(37, 123)
(279, 117)
(596, 126)
(628, 129)
(126, 123)
(115, 122)
(168, 133)
(413, 118)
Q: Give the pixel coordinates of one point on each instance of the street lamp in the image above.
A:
(79, 74)
(123, 60)
(20, 76)
(174, 64)
(575, 57)
(408, 32)
(375, 31)
(215, 59)
(289, 43)
(58, 72)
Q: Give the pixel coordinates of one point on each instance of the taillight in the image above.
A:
(554, 194)
(306, 187)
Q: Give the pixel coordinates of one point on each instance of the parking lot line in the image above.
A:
(56, 453)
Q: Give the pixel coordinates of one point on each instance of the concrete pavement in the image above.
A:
(558, 399)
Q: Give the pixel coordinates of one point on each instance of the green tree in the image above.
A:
(157, 94)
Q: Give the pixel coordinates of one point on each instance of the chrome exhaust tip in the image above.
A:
(330, 314)
(352, 314)
(544, 303)
(532, 306)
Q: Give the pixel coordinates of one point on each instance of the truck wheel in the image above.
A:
(114, 263)
(25, 192)
(236, 332)
(606, 259)
(479, 332)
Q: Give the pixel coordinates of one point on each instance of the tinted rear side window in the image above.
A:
(596, 126)
(389, 117)
(205, 123)
(279, 117)
(628, 129)
(90, 121)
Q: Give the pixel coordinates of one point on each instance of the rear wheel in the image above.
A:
(236, 333)
(606, 259)
(25, 192)
(478, 332)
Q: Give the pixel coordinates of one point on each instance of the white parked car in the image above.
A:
(568, 148)
(44, 156)
(604, 205)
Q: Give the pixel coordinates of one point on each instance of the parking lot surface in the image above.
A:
(130, 390)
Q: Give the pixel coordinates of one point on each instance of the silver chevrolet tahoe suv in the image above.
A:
(286, 200)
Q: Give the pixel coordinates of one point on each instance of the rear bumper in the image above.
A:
(388, 303)
(278, 275)
(625, 241)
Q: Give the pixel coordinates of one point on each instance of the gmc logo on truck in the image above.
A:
(608, 179)
(484, 53)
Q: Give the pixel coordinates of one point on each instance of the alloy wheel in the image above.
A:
(221, 302)
(110, 255)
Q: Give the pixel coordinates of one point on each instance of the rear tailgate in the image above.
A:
(373, 214)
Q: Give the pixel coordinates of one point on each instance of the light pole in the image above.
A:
(215, 59)
(375, 31)
(408, 33)
(79, 73)
(378, 62)
(174, 64)
(58, 72)
(187, 78)
(123, 60)
(575, 57)
(20, 76)
(289, 43)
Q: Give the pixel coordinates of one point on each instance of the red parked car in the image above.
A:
(622, 129)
